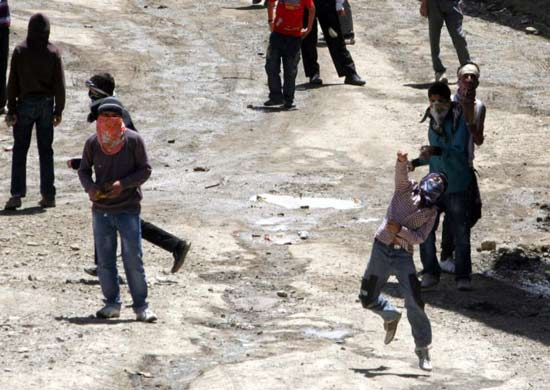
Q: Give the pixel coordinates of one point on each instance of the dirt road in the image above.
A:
(255, 306)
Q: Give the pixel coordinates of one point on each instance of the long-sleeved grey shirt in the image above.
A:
(130, 165)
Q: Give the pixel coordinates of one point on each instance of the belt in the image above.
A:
(393, 246)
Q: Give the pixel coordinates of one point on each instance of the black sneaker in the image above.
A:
(289, 105)
(391, 327)
(354, 79)
(273, 102)
(92, 271)
(315, 79)
(46, 202)
(179, 255)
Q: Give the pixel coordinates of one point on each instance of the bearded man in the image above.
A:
(121, 166)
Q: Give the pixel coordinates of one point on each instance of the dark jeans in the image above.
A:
(347, 22)
(447, 240)
(4, 54)
(457, 210)
(283, 48)
(341, 57)
(156, 236)
(450, 13)
(31, 111)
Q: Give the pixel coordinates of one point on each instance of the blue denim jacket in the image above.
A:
(453, 160)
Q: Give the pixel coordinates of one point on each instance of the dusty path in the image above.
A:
(188, 70)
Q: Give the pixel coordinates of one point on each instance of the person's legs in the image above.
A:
(428, 255)
(447, 239)
(129, 228)
(435, 24)
(291, 58)
(341, 57)
(4, 55)
(159, 237)
(347, 22)
(453, 21)
(105, 241)
(44, 139)
(309, 51)
(410, 286)
(22, 131)
(457, 207)
(375, 277)
(273, 67)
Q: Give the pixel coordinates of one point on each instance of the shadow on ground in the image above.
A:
(93, 320)
(517, 14)
(494, 303)
(383, 370)
(27, 211)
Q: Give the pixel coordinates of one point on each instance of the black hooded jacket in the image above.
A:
(36, 67)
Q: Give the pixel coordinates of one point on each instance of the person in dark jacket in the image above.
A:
(5, 21)
(118, 159)
(36, 96)
(101, 88)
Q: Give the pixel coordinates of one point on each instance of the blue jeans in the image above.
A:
(128, 226)
(283, 48)
(457, 212)
(385, 261)
(30, 111)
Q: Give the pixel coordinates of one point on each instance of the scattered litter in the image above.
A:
(488, 245)
(144, 374)
(161, 280)
(8, 148)
(171, 141)
(367, 220)
(88, 26)
(256, 235)
(531, 30)
(201, 169)
(75, 247)
(32, 243)
(303, 235)
(282, 294)
(291, 202)
(266, 237)
(212, 186)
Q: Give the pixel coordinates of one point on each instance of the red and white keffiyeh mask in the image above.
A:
(110, 132)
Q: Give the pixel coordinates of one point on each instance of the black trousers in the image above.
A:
(4, 54)
(157, 237)
(341, 57)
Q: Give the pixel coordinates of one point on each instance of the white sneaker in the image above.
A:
(448, 266)
(429, 281)
(424, 361)
(108, 311)
(146, 315)
(441, 76)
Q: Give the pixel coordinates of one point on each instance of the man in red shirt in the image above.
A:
(287, 32)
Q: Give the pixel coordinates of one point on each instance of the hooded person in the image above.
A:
(36, 96)
(409, 219)
(113, 168)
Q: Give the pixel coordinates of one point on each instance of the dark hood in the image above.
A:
(39, 32)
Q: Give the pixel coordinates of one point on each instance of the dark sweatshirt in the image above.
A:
(36, 67)
(130, 165)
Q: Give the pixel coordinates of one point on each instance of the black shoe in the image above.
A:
(46, 202)
(273, 102)
(315, 79)
(13, 203)
(92, 271)
(354, 79)
(179, 255)
(289, 105)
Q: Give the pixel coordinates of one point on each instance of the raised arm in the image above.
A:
(402, 182)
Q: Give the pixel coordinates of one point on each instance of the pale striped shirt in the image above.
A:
(416, 223)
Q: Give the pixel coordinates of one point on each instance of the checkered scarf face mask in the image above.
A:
(110, 132)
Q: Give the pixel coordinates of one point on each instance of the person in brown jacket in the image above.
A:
(36, 96)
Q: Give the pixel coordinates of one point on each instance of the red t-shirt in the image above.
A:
(289, 16)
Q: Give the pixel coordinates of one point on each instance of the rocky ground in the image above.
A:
(256, 306)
